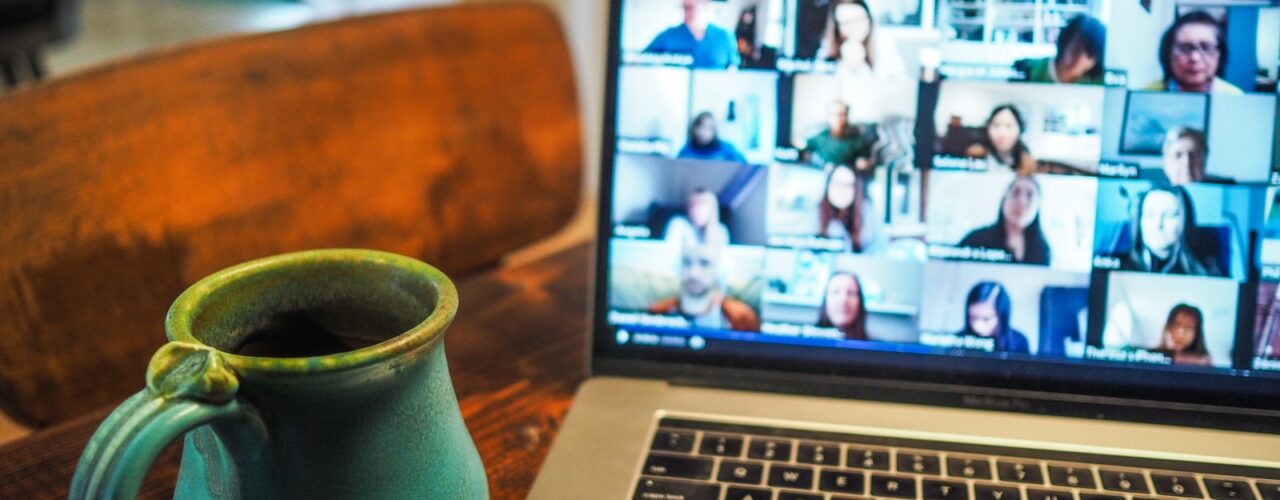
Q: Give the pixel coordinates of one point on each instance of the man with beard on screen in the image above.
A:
(702, 298)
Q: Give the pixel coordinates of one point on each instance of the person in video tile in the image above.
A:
(701, 299)
(1017, 227)
(1161, 245)
(1183, 338)
(1193, 55)
(841, 143)
(987, 312)
(845, 213)
(1080, 58)
(711, 46)
(1184, 155)
(1002, 145)
(843, 306)
(746, 32)
(849, 39)
(705, 144)
(701, 222)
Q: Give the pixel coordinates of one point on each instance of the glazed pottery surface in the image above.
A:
(379, 421)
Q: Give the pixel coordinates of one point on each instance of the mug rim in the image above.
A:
(182, 313)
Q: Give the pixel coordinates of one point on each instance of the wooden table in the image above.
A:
(516, 353)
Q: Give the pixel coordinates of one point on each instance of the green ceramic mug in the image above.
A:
(323, 418)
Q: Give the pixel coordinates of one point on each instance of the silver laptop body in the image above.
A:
(1035, 232)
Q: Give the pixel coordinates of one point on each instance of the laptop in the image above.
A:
(933, 250)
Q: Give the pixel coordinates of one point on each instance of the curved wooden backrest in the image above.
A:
(449, 134)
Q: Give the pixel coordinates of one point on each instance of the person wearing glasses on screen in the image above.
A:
(1161, 245)
(704, 142)
(986, 315)
(711, 46)
(1183, 337)
(849, 39)
(1081, 51)
(702, 299)
(1017, 227)
(1193, 55)
(843, 306)
(700, 224)
(1001, 144)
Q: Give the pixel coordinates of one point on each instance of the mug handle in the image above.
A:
(188, 385)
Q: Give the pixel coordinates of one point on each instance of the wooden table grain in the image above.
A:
(516, 353)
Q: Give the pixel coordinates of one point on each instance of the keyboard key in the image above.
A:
(673, 440)
(740, 472)
(969, 468)
(993, 492)
(770, 449)
(893, 486)
(1178, 486)
(1020, 472)
(1228, 489)
(943, 490)
(1270, 491)
(673, 466)
(721, 446)
(842, 481)
(818, 453)
(661, 489)
(791, 495)
(864, 458)
(739, 493)
(1037, 494)
(919, 463)
(1071, 477)
(1126, 481)
(1098, 496)
(791, 477)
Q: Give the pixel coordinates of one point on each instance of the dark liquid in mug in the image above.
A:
(296, 335)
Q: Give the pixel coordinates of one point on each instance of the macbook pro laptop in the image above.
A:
(934, 250)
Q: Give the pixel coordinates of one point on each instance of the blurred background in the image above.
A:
(100, 31)
(57, 38)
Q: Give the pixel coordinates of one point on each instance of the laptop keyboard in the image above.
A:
(696, 460)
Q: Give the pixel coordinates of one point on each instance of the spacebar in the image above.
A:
(661, 489)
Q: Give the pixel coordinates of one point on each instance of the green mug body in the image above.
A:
(371, 414)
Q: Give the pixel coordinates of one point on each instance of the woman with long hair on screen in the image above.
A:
(1017, 227)
(845, 213)
(1161, 244)
(850, 40)
(843, 306)
(704, 142)
(986, 315)
(1193, 55)
(1001, 144)
(1080, 58)
(1183, 336)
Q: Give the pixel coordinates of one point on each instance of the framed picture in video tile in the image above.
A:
(1149, 115)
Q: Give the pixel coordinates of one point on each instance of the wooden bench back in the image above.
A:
(448, 134)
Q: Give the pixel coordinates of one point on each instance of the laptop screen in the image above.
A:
(1017, 193)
